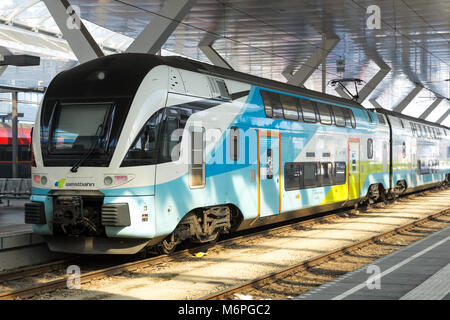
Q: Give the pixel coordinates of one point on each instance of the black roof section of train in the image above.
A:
(129, 69)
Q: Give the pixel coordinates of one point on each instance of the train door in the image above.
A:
(269, 174)
(354, 169)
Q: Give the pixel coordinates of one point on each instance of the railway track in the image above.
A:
(61, 282)
(274, 276)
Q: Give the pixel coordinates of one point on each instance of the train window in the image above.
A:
(326, 173)
(413, 129)
(309, 111)
(324, 113)
(381, 119)
(234, 143)
(196, 161)
(402, 124)
(339, 117)
(219, 89)
(71, 133)
(420, 132)
(293, 176)
(368, 116)
(310, 174)
(5, 152)
(369, 148)
(340, 172)
(24, 153)
(289, 104)
(170, 136)
(272, 104)
(144, 150)
(349, 118)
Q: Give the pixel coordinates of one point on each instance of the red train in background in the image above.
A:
(24, 154)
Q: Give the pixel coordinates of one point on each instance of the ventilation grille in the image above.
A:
(219, 89)
(116, 215)
(35, 213)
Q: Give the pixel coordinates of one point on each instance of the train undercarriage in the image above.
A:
(201, 226)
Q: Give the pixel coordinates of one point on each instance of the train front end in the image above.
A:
(87, 197)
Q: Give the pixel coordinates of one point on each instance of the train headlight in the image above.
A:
(120, 179)
(44, 180)
(108, 181)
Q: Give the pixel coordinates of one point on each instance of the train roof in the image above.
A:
(406, 117)
(205, 68)
(130, 68)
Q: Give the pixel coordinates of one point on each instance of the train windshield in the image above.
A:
(79, 127)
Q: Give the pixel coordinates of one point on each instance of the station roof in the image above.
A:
(266, 37)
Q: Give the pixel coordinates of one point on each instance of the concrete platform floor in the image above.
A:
(12, 214)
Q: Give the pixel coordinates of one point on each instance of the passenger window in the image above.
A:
(352, 119)
(339, 117)
(289, 104)
(293, 176)
(369, 148)
(369, 116)
(234, 143)
(349, 118)
(196, 161)
(381, 119)
(326, 172)
(310, 174)
(309, 111)
(341, 172)
(272, 104)
(324, 112)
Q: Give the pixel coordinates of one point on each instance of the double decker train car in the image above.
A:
(24, 152)
(136, 151)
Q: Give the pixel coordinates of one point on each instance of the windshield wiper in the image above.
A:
(89, 152)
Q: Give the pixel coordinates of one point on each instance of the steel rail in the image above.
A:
(61, 282)
(273, 276)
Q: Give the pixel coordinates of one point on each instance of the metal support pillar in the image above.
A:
(375, 103)
(324, 68)
(444, 116)
(407, 100)
(430, 109)
(373, 83)
(205, 45)
(78, 37)
(161, 26)
(15, 143)
(306, 70)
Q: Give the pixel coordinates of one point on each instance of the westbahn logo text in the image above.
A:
(80, 184)
(60, 184)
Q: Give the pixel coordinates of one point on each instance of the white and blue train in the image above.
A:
(133, 151)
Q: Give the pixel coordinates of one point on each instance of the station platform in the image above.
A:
(19, 247)
(420, 271)
(12, 214)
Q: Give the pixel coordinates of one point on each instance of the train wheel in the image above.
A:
(168, 245)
